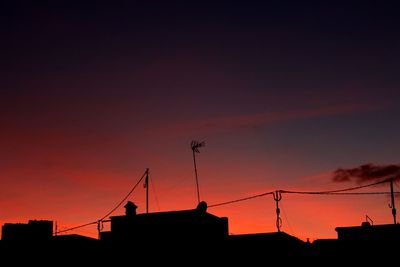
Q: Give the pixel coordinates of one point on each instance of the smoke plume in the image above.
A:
(367, 172)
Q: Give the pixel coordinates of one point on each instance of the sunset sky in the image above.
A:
(282, 93)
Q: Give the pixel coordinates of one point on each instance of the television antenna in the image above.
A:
(195, 145)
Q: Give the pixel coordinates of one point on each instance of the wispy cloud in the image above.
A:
(227, 123)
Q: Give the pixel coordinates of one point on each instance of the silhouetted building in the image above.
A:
(367, 232)
(74, 238)
(364, 244)
(171, 226)
(255, 247)
(32, 231)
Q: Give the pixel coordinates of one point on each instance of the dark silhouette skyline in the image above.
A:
(187, 235)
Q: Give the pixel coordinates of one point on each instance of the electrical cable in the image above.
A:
(330, 192)
(108, 214)
(240, 199)
(74, 228)
(287, 220)
(153, 188)
(334, 191)
(123, 200)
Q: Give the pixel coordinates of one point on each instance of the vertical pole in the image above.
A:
(147, 190)
(392, 204)
(98, 229)
(195, 172)
(278, 197)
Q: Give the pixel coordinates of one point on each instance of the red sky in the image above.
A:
(282, 94)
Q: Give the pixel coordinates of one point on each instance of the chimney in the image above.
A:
(130, 209)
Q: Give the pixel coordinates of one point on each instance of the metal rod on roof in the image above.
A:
(195, 145)
(392, 205)
(146, 183)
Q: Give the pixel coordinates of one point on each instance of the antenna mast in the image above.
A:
(195, 145)
(392, 205)
(146, 184)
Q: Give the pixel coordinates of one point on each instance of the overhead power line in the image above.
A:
(240, 199)
(109, 213)
(360, 193)
(334, 191)
(330, 192)
(125, 198)
(154, 193)
(74, 228)
(344, 191)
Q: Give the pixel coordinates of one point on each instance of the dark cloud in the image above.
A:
(367, 172)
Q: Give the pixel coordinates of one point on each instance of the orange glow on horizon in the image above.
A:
(303, 216)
